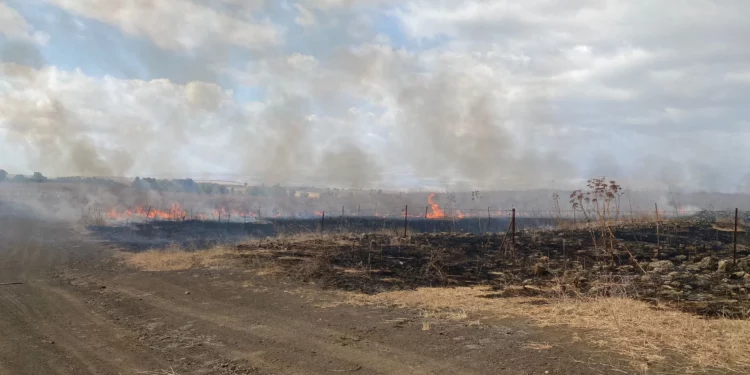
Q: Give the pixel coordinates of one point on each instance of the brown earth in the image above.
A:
(80, 311)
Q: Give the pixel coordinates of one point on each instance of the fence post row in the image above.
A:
(734, 240)
(513, 229)
(406, 218)
(658, 237)
(489, 219)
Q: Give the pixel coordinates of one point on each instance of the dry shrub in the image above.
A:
(435, 269)
(320, 266)
(629, 327)
(177, 259)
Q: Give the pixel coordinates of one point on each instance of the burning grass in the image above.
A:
(633, 328)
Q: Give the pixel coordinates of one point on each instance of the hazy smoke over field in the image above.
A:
(318, 92)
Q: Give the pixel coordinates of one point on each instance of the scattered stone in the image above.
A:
(708, 263)
(539, 270)
(626, 269)
(699, 297)
(693, 267)
(744, 264)
(700, 281)
(739, 275)
(725, 266)
(670, 293)
(661, 266)
(186, 293)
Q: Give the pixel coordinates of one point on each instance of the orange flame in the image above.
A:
(176, 212)
(436, 211)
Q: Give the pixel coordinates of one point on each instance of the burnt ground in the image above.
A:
(198, 234)
(79, 311)
(688, 264)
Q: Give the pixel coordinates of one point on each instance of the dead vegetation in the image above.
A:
(652, 296)
(645, 333)
(177, 259)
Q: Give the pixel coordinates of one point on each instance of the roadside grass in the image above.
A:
(160, 372)
(632, 328)
(177, 259)
(646, 334)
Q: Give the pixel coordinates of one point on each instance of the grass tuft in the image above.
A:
(177, 259)
(629, 327)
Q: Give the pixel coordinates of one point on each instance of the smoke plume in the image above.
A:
(321, 92)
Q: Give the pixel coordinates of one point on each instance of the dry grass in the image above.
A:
(726, 224)
(160, 372)
(177, 259)
(629, 327)
(538, 346)
(727, 228)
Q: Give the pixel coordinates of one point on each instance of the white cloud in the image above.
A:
(492, 92)
(118, 125)
(14, 26)
(177, 24)
(346, 4)
(306, 17)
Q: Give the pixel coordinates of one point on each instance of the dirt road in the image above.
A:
(79, 312)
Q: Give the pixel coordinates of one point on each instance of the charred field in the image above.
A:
(197, 234)
(686, 263)
(560, 287)
(689, 265)
(669, 295)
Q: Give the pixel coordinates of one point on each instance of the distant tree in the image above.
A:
(255, 191)
(38, 177)
(139, 184)
(208, 188)
(18, 178)
(187, 185)
(277, 191)
(3, 175)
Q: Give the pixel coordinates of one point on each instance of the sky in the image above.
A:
(475, 94)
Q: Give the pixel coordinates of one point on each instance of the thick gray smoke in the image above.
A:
(316, 93)
(52, 136)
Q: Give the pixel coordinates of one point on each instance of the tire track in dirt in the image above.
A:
(110, 320)
(304, 336)
(63, 337)
(45, 330)
(274, 325)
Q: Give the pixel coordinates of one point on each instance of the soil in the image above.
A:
(79, 311)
